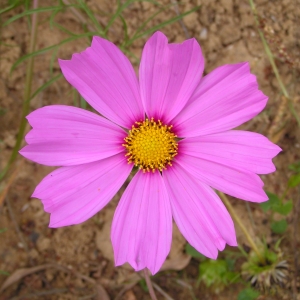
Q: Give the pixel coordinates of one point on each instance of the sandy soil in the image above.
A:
(73, 260)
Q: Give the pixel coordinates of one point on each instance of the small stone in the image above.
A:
(213, 27)
(228, 5)
(43, 243)
(229, 33)
(191, 20)
(129, 295)
(10, 139)
(20, 245)
(49, 274)
(203, 34)
(33, 253)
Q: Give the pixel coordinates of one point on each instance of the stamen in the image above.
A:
(151, 145)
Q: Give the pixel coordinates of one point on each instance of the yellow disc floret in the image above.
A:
(151, 145)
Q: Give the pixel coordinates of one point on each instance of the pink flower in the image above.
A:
(140, 125)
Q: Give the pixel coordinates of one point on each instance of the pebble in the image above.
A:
(203, 34)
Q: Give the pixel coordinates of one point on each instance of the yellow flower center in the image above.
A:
(151, 145)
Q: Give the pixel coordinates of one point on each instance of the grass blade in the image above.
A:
(163, 24)
(126, 37)
(4, 10)
(117, 14)
(92, 17)
(38, 52)
(27, 92)
(45, 85)
(140, 28)
(30, 12)
(53, 58)
(273, 64)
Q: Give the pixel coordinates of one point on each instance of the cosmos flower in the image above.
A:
(172, 124)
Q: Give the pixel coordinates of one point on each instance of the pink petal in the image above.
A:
(237, 149)
(198, 212)
(65, 136)
(74, 194)
(142, 224)
(106, 80)
(236, 182)
(225, 98)
(169, 75)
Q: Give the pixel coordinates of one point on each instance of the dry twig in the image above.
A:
(10, 181)
(185, 30)
(162, 292)
(126, 288)
(296, 214)
(18, 230)
(101, 293)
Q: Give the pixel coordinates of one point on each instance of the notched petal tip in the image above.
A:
(169, 75)
(233, 243)
(202, 217)
(105, 78)
(160, 35)
(220, 243)
(74, 194)
(225, 98)
(211, 255)
(61, 223)
(63, 63)
(142, 225)
(277, 149)
(99, 39)
(24, 152)
(260, 197)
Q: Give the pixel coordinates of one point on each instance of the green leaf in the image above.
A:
(279, 227)
(92, 17)
(163, 24)
(216, 273)
(248, 294)
(40, 51)
(277, 244)
(193, 252)
(125, 28)
(116, 14)
(4, 273)
(3, 230)
(295, 167)
(143, 25)
(30, 12)
(2, 111)
(275, 204)
(45, 85)
(83, 103)
(273, 200)
(294, 180)
(63, 29)
(143, 285)
(284, 208)
(211, 271)
(230, 263)
(5, 9)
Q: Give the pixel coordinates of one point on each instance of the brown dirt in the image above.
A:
(227, 34)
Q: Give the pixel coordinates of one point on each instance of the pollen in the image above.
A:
(151, 145)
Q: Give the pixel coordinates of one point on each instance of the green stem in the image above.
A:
(268, 51)
(272, 62)
(241, 225)
(284, 195)
(27, 93)
(292, 109)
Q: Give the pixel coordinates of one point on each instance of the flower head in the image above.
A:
(174, 125)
